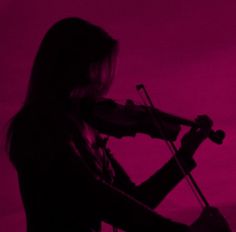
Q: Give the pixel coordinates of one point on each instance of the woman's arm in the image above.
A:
(113, 205)
(155, 188)
(162, 182)
(152, 191)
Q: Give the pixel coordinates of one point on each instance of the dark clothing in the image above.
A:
(63, 191)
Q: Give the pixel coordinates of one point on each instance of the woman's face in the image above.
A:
(101, 76)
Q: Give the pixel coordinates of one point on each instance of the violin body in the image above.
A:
(117, 120)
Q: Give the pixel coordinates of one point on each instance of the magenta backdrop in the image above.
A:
(183, 51)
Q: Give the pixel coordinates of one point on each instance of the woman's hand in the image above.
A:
(192, 140)
(210, 220)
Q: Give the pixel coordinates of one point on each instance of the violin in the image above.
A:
(114, 119)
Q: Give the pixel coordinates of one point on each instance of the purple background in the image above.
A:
(183, 51)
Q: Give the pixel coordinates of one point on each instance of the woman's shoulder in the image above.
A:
(20, 126)
(34, 139)
(19, 137)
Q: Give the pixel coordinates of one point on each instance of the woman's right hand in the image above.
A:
(210, 220)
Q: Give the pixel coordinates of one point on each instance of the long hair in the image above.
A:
(68, 53)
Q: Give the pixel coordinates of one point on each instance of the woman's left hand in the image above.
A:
(192, 139)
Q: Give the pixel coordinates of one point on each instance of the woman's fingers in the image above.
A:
(197, 134)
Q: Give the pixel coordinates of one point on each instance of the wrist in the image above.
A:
(185, 153)
(187, 162)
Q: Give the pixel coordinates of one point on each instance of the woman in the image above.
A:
(69, 180)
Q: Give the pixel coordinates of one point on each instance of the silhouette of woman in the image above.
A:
(68, 180)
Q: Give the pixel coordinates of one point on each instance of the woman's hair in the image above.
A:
(68, 53)
(66, 57)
